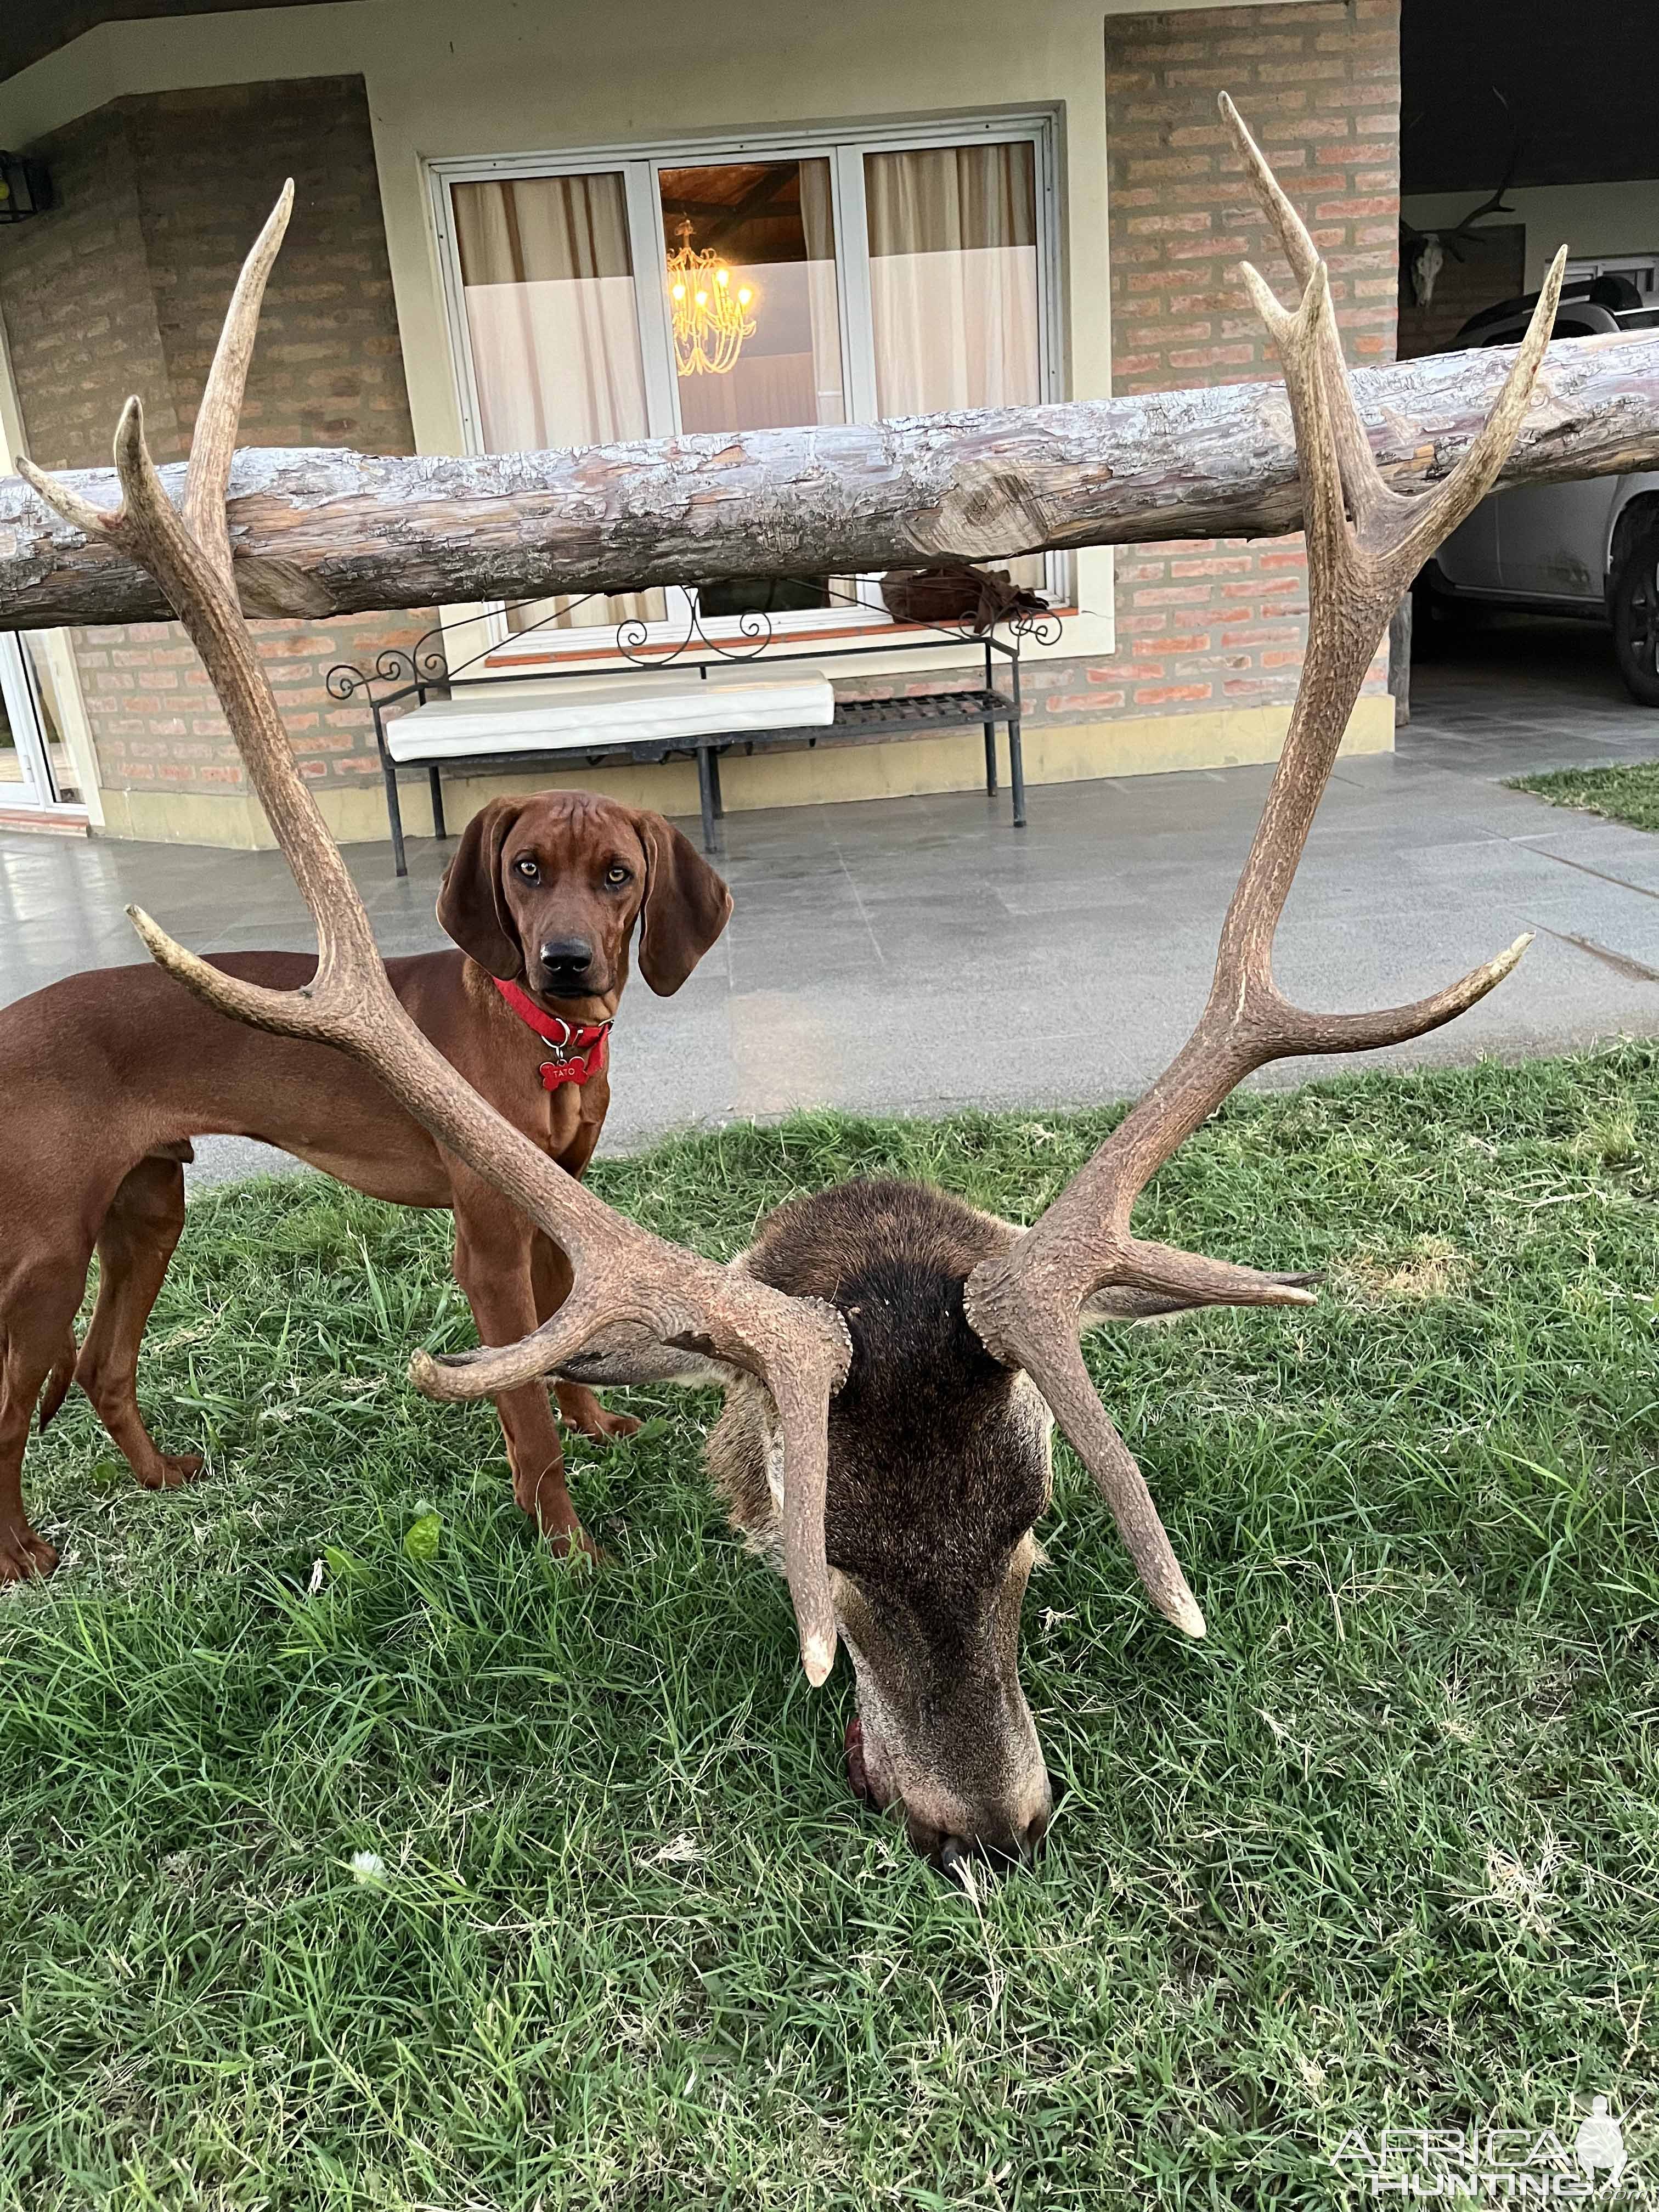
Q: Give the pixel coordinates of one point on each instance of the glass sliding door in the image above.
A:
(553, 330)
(770, 229)
(755, 322)
(954, 299)
(686, 291)
(35, 769)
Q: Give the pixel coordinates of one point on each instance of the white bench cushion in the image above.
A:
(582, 714)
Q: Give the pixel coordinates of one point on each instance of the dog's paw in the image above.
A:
(581, 1411)
(611, 1425)
(25, 1557)
(574, 1543)
(548, 1504)
(171, 1469)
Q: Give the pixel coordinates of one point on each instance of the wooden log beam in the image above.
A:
(318, 533)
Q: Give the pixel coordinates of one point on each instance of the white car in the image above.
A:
(1590, 548)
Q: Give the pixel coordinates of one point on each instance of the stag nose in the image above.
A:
(566, 960)
(1016, 1845)
(1001, 1850)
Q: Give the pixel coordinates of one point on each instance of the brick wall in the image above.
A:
(1217, 623)
(123, 288)
(328, 370)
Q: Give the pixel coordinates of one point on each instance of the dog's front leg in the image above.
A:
(552, 1276)
(493, 1245)
(576, 1402)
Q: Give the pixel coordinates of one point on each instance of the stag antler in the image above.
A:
(630, 1287)
(1026, 1304)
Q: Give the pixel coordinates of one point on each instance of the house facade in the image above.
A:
(937, 206)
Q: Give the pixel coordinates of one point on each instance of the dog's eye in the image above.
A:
(526, 867)
(616, 875)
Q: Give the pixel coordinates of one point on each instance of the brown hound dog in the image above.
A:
(109, 1075)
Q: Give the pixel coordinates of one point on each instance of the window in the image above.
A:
(836, 282)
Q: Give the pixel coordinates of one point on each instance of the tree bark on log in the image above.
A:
(318, 533)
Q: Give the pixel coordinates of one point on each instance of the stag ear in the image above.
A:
(686, 905)
(471, 905)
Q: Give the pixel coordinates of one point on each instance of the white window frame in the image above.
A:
(845, 148)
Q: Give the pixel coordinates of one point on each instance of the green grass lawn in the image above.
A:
(1384, 1850)
(1622, 794)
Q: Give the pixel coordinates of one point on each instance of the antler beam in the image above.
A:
(1026, 1305)
(625, 1279)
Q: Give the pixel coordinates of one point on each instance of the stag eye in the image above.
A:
(616, 875)
(527, 868)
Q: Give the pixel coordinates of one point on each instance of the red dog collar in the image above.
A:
(578, 1048)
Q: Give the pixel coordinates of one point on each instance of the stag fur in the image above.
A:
(939, 1467)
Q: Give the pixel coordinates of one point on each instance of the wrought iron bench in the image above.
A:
(430, 717)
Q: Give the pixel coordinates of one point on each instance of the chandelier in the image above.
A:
(710, 312)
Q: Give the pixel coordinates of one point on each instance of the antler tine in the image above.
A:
(1432, 518)
(1061, 1380)
(625, 1277)
(213, 442)
(1362, 481)
(1025, 1304)
(1371, 501)
(92, 521)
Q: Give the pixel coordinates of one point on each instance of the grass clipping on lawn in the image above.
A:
(357, 1855)
(1629, 794)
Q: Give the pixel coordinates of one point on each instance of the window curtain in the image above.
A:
(953, 283)
(823, 300)
(953, 277)
(549, 287)
(550, 306)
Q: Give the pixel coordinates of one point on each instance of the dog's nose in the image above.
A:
(566, 959)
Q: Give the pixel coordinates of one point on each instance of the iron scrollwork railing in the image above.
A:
(394, 665)
(413, 671)
(635, 643)
(1042, 627)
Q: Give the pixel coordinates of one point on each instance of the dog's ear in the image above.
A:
(686, 905)
(471, 906)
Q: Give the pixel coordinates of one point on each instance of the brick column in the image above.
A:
(1208, 624)
(123, 288)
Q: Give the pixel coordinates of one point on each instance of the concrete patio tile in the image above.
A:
(1613, 850)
